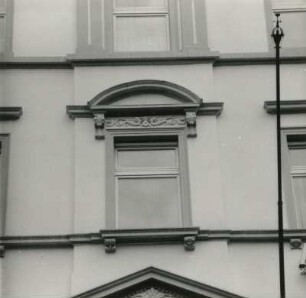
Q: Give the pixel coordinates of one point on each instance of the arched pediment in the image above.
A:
(155, 283)
(169, 93)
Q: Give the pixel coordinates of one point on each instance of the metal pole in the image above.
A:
(277, 35)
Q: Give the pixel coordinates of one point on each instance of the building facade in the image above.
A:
(138, 148)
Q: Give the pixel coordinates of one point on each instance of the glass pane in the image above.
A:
(141, 3)
(299, 189)
(141, 33)
(298, 157)
(294, 25)
(148, 202)
(158, 158)
(2, 33)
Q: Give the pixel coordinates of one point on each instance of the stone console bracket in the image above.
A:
(185, 236)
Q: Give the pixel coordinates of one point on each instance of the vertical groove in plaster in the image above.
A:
(194, 27)
(89, 21)
(102, 25)
(179, 25)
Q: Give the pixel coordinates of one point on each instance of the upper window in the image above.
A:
(295, 176)
(141, 25)
(113, 27)
(293, 16)
(3, 178)
(149, 188)
(6, 26)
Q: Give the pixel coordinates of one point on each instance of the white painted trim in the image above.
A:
(289, 5)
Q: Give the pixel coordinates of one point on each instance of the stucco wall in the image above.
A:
(44, 28)
(244, 29)
(48, 27)
(40, 187)
(44, 273)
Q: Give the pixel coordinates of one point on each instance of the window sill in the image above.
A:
(10, 113)
(186, 236)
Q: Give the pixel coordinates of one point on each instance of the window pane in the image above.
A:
(2, 33)
(299, 189)
(148, 202)
(294, 25)
(159, 158)
(298, 157)
(141, 33)
(141, 3)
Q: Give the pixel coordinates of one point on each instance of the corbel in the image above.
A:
(110, 245)
(302, 265)
(99, 126)
(296, 243)
(189, 243)
(191, 121)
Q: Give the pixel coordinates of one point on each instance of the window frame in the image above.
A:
(4, 156)
(184, 196)
(134, 12)
(292, 206)
(95, 31)
(6, 12)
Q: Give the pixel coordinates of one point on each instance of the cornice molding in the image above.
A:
(286, 107)
(84, 111)
(288, 56)
(10, 113)
(148, 236)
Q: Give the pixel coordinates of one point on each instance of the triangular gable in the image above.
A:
(155, 283)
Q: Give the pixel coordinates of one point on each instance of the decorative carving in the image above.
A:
(110, 245)
(153, 292)
(296, 243)
(191, 119)
(99, 125)
(189, 243)
(146, 122)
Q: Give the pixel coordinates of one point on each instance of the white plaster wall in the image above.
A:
(40, 187)
(247, 140)
(89, 178)
(254, 270)
(89, 81)
(43, 273)
(243, 26)
(205, 180)
(93, 267)
(44, 27)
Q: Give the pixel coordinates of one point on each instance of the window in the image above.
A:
(141, 25)
(148, 187)
(114, 27)
(3, 178)
(293, 16)
(145, 125)
(2, 28)
(295, 176)
(6, 26)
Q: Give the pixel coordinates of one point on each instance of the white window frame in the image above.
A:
(289, 172)
(181, 172)
(134, 12)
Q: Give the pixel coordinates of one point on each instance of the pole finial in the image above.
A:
(277, 32)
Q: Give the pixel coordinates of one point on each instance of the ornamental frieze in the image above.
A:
(146, 122)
